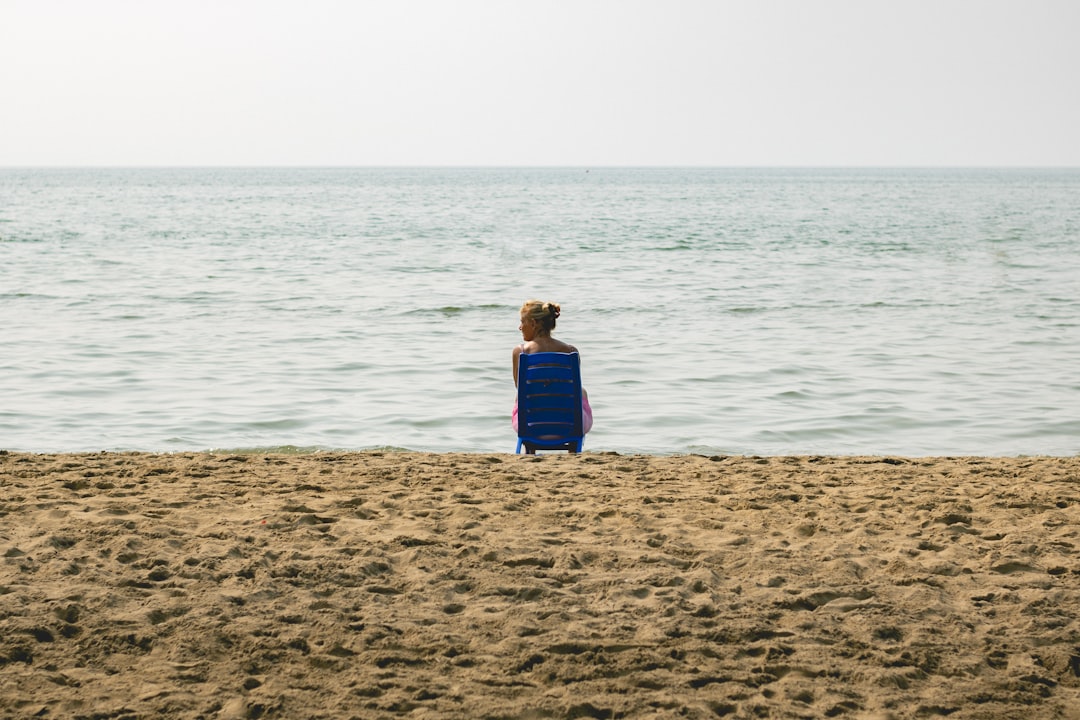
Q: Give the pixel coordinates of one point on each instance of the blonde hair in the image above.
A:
(544, 313)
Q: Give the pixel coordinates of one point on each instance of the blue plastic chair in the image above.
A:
(549, 402)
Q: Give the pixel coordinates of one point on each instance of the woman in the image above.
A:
(537, 321)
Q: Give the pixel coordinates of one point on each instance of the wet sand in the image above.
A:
(382, 585)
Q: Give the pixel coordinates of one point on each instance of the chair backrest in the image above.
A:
(549, 402)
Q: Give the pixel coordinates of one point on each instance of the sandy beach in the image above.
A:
(381, 585)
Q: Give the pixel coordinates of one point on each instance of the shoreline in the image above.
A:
(311, 450)
(489, 585)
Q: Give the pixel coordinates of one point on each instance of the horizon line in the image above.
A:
(510, 166)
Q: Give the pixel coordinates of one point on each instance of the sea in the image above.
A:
(754, 311)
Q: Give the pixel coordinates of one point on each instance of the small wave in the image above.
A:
(25, 295)
(305, 450)
(286, 424)
(271, 450)
(792, 395)
(454, 310)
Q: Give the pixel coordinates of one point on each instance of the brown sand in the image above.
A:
(376, 585)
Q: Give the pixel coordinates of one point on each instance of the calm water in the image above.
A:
(719, 311)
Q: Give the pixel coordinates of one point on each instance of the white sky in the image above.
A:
(544, 82)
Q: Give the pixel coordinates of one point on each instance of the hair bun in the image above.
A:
(544, 313)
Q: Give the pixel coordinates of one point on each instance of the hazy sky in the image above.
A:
(575, 82)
